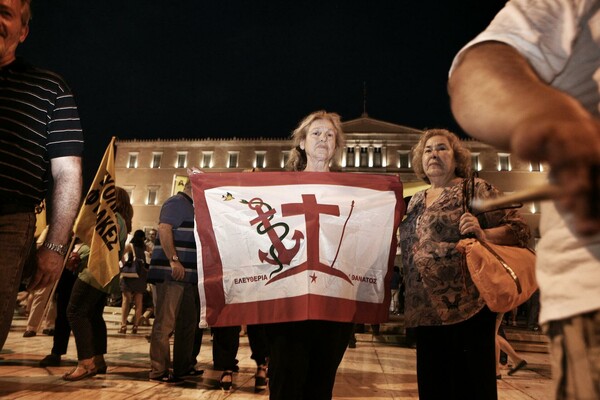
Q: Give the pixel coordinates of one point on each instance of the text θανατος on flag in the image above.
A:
(289, 246)
(97, 224)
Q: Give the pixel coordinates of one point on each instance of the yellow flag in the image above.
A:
(97, 224)
(40, 219)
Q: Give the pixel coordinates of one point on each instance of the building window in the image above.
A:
(377, 157)
(285, 156)
(233, 159)
(152, 197)
(404, 159)
(535, 166)
(156, 158)
(133, 159)
(350, 157)
(181, 159)
(207, 159)
(259, 160)
(475, 163)
(364, 156)
(504, 162)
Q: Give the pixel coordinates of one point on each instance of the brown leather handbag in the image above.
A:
(504, 275)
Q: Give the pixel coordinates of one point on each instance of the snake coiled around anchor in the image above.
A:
(256, 204)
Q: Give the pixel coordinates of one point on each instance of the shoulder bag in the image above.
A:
(132, 266)
(503, 275)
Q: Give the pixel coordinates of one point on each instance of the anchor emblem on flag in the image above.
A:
(280, 255)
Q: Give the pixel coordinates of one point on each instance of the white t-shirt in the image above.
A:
(561, 40)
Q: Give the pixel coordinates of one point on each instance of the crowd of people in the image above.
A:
(528, 84)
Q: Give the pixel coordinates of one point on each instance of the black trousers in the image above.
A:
(458, 361)
(62, 328)
(304, 358)
(85, 316)
(257, 338)
(226, 341)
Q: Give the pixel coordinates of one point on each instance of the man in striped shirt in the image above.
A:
(40, 150)
(173, 270)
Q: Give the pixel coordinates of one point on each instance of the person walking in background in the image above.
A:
(39, 301)
(42, 139)
(174, 273)
(529, 84)
(149, 243)
(86, 305)
(62, 329)
(133, 289)
(453, 325)
(503, 345)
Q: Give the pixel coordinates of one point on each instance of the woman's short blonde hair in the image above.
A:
(297, 159)
(462, 155)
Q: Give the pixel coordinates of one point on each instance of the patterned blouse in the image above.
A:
(439, 289)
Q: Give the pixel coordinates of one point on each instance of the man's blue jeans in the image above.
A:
(16, 238)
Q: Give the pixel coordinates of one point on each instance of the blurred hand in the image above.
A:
(572, 148)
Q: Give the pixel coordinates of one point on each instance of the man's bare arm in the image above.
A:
(66, 195)
(498, 98)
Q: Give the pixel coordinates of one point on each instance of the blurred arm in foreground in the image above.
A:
(497, 97)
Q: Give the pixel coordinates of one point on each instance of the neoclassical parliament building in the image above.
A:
(153, 170)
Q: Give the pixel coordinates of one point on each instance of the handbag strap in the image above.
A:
(508, 269)
(468, 190)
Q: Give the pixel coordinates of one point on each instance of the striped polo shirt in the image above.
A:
(38, 121)
(177, 211)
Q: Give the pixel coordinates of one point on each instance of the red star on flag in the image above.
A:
(313, 278)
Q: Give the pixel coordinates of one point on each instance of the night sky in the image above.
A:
(232, 68)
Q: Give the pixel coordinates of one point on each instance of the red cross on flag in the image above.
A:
(293, 246)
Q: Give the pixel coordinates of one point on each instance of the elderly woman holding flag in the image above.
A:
(305, 355)
(88, 298)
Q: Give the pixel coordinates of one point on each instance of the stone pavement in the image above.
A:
(378, 368)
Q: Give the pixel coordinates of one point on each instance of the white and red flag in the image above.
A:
(292, 246)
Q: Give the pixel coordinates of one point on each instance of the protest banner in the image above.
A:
(289, 246)
(97, 224)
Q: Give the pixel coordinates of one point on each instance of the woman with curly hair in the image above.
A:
(455, 330)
